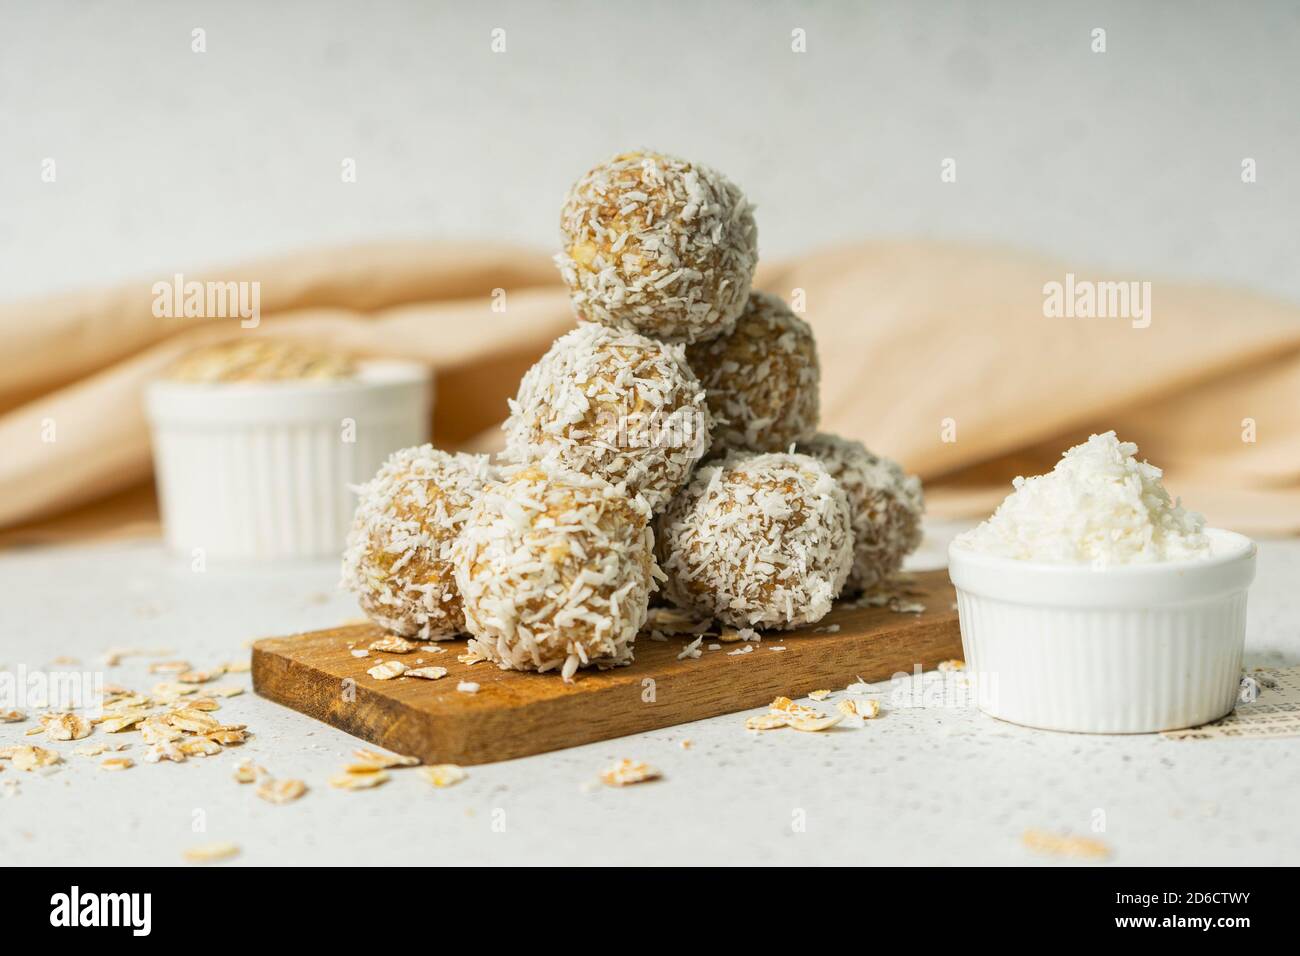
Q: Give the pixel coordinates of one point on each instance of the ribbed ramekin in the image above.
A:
(1131, 648)
(263, 469)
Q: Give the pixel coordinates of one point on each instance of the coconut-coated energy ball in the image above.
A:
(398, 556)
(658, 245)
(614, 404)
(758, 541)
(762, 378)
(884, 503)
(555, 569)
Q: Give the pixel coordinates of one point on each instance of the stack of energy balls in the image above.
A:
(667, 444)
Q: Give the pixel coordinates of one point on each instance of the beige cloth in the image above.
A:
(919, 342)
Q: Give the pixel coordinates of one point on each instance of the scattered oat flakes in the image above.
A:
(66, 726)
(786, 713)
(747, 649)
(210, 852)
(433, 648)
(815, 724)
(444, 774)
(195, 721)
(948, 667)
(360, 652)
(1055, 844)
(692, 649)
(30, 758)
(199, 747)
(169, 667)
(122, 721)
(280, 791)
(116, 763)
(820, 694)
(228, 736)
(427, 673)
(237, 667)
(64, 661)
(164, 750)
(467, 687)
(392, 645)
(226, 690)
(169, 690)
(778, 647)
(247, 772)
(197, 677)
(11, 716)
(374, 760)
(387, 670)
(687, 743)
(156, 730)
(469, 660)
(627, 772)
(769, 721)
(357, 778)
(205, 704)
(786, 706)
(866, 709)
(123, 700)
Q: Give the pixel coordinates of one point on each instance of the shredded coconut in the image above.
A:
(884, 503)
(758, 540)
(659, 245)
(555, 570)
(398, 557)
(1098, 505)
(613, 404)
(762, 378)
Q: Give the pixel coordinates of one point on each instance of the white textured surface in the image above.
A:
(921, 786)
(1127, 163)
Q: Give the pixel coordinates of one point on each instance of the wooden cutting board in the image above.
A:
(515, 714)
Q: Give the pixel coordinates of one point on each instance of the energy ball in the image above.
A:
(398, 556)
(758, 541)
(614, 404)
(885, 505)
(658, 245)
(762, 378)
(555, 569)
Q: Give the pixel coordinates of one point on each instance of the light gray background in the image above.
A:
(1126, 162)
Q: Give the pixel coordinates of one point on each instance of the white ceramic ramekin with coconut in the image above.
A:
(262, 467)
(1091, 602)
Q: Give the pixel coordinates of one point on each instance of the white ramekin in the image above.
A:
(263, 469)
(1131, 648)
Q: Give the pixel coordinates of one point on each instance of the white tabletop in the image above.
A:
(918, 786)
